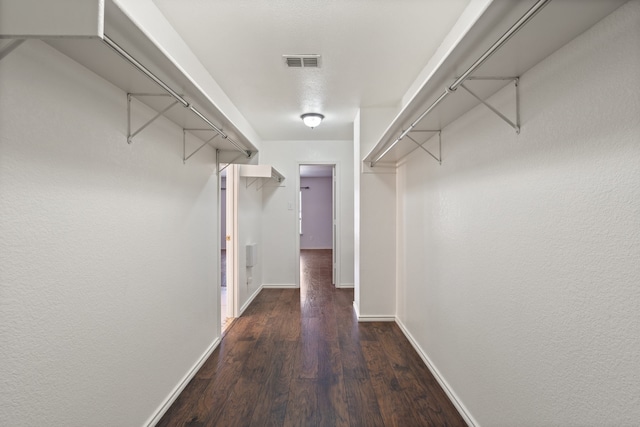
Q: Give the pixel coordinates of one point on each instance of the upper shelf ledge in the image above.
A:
(264, 172)
(109, 36)
(466, 54)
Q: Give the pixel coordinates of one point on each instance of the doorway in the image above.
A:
(317, 214)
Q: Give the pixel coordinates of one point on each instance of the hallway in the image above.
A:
(300, 358)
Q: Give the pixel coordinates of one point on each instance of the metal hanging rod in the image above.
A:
(144, 70)
(228, 163)
(481, 60)
(130, 59)
(246, 152)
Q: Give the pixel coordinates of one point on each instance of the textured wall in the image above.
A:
(375, 289)
(518, 257)
(280, 224)
(317, 223)
(107, 282)
(249, 232)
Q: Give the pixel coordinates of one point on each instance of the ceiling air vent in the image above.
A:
(302, 61)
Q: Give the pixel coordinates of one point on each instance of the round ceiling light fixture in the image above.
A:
(312, 119)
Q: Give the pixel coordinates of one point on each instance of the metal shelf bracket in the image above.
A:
(230, 162)
(516, 81)
(131, 135)
(251, 182)
(10, 47)
(421, 145)
(263, 181)
(186, 157)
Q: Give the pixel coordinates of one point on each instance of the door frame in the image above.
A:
(233, 180)
(335, 194)
(231, 193)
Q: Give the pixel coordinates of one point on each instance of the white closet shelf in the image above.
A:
(554, 25)
(263, 172)
(96, 48)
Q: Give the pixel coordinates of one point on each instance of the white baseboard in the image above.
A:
(375, 318)
(249, 301)
(371, 318)
(283, 286)
(468, 418)
(164, 407)
(345, 286)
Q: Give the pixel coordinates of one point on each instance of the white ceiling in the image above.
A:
(372, 50)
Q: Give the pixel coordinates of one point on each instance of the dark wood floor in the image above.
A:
(300, 358)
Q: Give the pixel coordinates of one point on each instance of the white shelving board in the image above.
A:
(261, 171)
(84, 44)
(556, 24)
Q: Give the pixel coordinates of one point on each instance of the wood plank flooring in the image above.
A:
(300, 358)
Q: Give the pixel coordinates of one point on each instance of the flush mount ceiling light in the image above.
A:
(312, 119)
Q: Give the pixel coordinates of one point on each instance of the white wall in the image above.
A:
(317, 221)
(356, 209)
(375, 290)
(280, 226)
(108, 288)
(518, 257)
(249, 232)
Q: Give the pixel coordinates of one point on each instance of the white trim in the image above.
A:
(249, 301)
(171, 398)
(453, 397)
(376, 318)
(232, 245)
(280, 286)
(371, 318)
(346, 286)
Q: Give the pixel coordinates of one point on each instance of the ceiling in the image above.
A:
(371, 51)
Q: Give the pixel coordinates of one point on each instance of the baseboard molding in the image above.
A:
(436, 373)
(249, 301)
(164, 407)
(371, 318)
(375, 318)
(356, 309)
(283, 286)
(345, 286)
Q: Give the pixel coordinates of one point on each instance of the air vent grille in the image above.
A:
(302, 61)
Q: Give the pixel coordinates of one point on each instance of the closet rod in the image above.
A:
(481, 60)
(130, 59)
